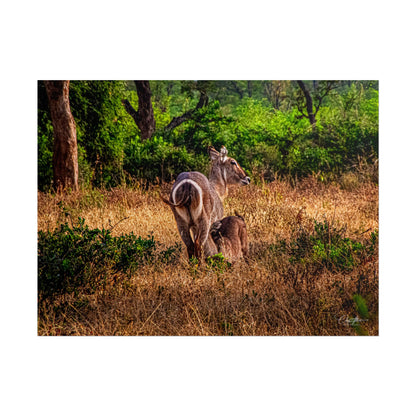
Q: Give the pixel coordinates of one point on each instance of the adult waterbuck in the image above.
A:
(230, 237)
(196, 201)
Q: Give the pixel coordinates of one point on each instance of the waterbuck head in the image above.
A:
(225, 171)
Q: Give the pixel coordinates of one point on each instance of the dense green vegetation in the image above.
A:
(75, 258)
(264, 124)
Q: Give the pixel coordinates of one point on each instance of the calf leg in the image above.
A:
(244, 243)
(209, 247)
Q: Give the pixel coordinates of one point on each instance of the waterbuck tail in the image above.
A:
(166, 201)
(179, 199)
(184, 201)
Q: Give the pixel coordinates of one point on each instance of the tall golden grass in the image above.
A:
(267, 295)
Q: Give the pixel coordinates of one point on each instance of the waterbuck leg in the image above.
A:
(186, 238)
(198, 249)
(203, 241)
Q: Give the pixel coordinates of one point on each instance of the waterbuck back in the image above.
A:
(196, 201)
(230, 237)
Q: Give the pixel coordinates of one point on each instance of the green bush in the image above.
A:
(327, 246)
(158, 159)
(267, 142)
(74, 259)
(208, 126)
(102, 125)
(45, 145)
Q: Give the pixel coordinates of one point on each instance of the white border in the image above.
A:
(219, 40)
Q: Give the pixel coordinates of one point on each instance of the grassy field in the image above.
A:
(312, 268)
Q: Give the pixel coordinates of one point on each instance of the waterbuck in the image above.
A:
(196, 201)
(230, 237)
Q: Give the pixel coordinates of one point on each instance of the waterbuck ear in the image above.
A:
(213, 154)
(223, 152)
(238, 215)
(215, 227)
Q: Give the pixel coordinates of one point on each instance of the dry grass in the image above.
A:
(268, 295)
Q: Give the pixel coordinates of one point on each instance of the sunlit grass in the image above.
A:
(268, 295)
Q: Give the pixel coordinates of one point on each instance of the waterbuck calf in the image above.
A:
(230, 237)
(196, 201)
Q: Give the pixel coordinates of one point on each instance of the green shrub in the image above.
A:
(208, 126)
(266, 141)
(327, 246)
(45, 151)
(73, 259)
(158, 159)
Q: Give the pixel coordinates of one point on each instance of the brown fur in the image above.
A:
(196, 201)
(230, 237)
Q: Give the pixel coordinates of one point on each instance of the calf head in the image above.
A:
(230, 237)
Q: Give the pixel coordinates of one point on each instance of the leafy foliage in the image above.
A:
(158, 159)
(45, 151)
(361, 306)
(76, 258)
(327, 247)
(101, 126)
(218, 263)
(358, 322)
(258, 121)
(45, 140)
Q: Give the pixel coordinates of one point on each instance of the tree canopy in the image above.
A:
(274, 128)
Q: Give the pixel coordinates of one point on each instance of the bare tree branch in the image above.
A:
(129, 108)
(309, 103)
(176, 121)
(329, 85)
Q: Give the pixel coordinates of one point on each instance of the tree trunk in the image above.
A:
(309, 103)
(65, 152)
(237, 89)
(250, 88)
(143, 117)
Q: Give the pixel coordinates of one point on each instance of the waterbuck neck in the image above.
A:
(216, 177)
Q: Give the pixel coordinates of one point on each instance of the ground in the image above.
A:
(296, 281)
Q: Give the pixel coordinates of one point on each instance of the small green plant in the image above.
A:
(218, 263)
(362, 310)
(193, 267)
(228, 328)
(171, 254)
(361, 306)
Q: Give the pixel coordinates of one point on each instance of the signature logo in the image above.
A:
(347, 321)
